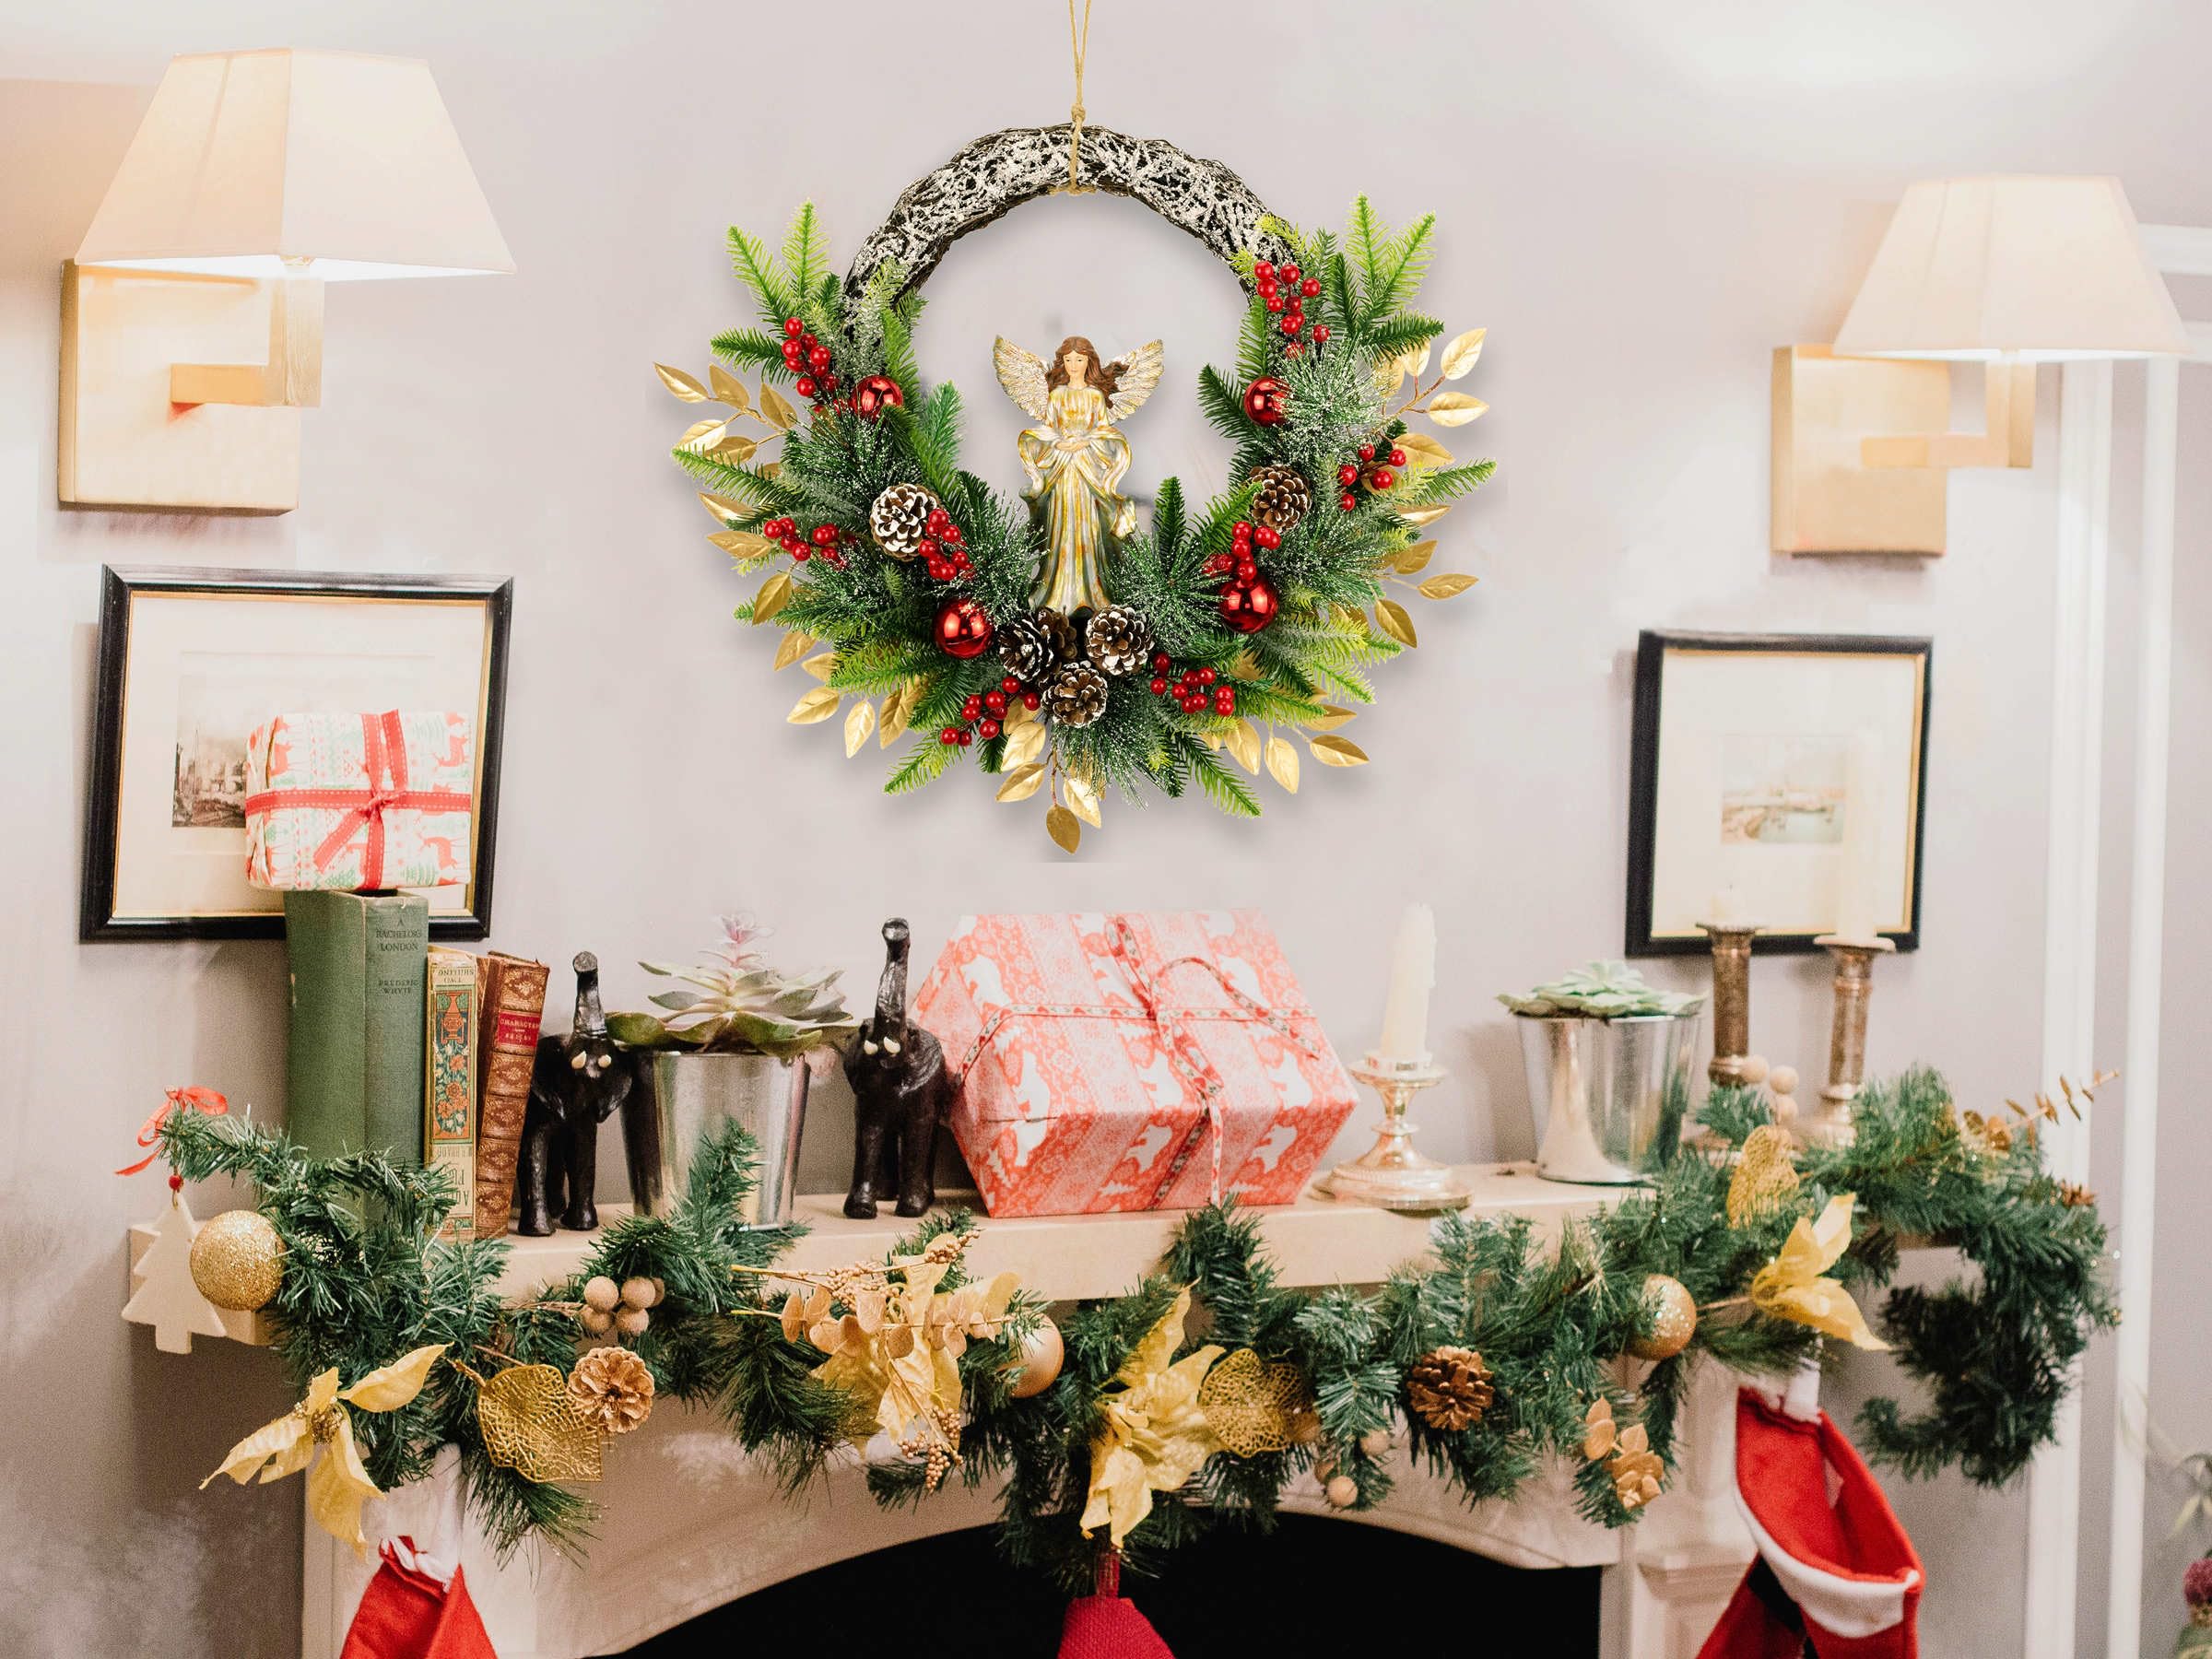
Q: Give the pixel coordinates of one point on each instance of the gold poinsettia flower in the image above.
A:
(1794, 1286)
(336, 1483)
(1155, 1433)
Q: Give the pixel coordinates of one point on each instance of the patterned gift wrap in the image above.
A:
(1131, 1061)
(359, 803)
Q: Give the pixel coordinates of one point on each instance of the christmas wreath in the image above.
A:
(1074, 651)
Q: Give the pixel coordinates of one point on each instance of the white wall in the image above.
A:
(1638, 201)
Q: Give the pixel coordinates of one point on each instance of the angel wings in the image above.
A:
(1125, 381)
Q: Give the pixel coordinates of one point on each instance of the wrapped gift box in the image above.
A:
(1114, 1062)
(359, 803)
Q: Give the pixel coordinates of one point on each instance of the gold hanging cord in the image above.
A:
(1079, 41)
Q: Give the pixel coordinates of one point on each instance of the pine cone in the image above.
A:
(611, 1389)
(1065, 636)
(1283, 498)
(899, 519)
(1119, 640)
(1026, 648)
(1449, 1389)
(1075, 696)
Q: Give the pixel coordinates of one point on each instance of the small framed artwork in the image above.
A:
(191, 661)
(1776, 779)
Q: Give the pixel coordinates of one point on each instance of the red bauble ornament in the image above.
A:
(1266, 400)
(1249, 610)
(873, 393)
(963, 630)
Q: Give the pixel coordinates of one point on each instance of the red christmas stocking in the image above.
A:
(1106, 1624)
(1835, 1573)
(410, 1612)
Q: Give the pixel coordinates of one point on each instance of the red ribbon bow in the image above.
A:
(384, 760)
(176, 1100)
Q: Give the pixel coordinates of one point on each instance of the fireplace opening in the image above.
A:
(1310, 1586)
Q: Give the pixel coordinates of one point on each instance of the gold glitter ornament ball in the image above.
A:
(238, 1261)
(1042, 1355)
(1674, 1319)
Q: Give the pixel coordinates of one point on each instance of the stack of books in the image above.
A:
(415, 1051)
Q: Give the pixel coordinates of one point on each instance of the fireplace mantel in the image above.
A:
(689, 1523)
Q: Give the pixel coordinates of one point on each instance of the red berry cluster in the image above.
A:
(944, 556)
(1193, 689)
(1283, 291)
(1375, 474)
(808, 359)
(981, 715)
(825, 540)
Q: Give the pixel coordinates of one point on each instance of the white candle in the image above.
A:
(1726, 905)
(1858, 876)
(1412, 977)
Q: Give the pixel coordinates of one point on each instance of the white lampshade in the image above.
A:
(249, 163)
(2036, 268)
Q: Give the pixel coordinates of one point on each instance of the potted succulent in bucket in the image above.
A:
(1608, 1060)
(730, 1043)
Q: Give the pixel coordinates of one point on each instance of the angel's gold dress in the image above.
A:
(1075, 462)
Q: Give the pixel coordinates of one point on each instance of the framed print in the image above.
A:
(1776, 779)
(190, 660)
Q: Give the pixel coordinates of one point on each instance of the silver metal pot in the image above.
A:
(1609, 1096)
(686, 1098)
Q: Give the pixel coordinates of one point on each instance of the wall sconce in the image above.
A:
(191, 316)
(2006, 272)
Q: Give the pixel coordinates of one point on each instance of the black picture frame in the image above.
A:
(96, 919)
(1652, 649)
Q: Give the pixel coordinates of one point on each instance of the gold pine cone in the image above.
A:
(611, 1389)
(1449, 1388)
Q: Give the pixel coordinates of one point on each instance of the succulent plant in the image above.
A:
(1602, 991)
(739, 1004)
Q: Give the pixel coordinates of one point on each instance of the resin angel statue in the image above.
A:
(1076, 458)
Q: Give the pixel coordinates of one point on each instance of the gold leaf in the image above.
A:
(1243, 742)
(1061, 825)
(1082, 800)
(860, 725)
(1410, 561)
(771, 469)
(1025, 742)
(793, 646)
(1022, 783)
(817, 705)
(734, 447)
(744, 544)
(774, 595)
(728, 388)
(700, 434)
(725, 510)
(1422, 516)
(897, 708)
(1395, 621)
(1330, 718)
(1282, 762)
(822, 667)
(778, 412)
(1390, 374)
(1417, 361)
(682, 385)
(1454, 408)
(1446, 585)
(1421, 448)
(1337, 751)
(1462, 353)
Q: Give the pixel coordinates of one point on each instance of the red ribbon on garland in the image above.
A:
(384, 760)
(1177, 1046)
(177, 1101)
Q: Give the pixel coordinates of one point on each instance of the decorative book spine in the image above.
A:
(450, 1082)
(356, 962)
(511, 1006)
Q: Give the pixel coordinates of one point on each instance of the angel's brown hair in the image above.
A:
(1101, 373)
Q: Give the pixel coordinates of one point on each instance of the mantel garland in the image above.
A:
(1231, 625)
(1502, 1353)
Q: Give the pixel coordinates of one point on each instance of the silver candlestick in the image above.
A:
(1391, 1174)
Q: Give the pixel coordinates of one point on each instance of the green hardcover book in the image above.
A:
(357, 967)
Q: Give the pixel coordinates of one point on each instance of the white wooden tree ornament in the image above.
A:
(165, 1297)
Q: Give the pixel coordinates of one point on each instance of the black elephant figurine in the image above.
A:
(899, 1089)
(576, 1083)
